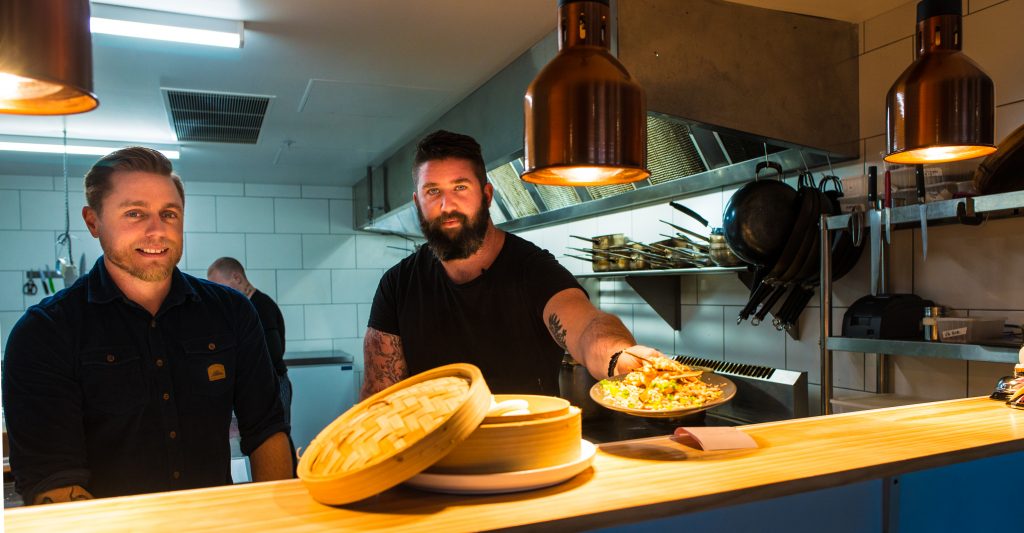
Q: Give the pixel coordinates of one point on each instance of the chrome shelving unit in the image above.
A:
(970, 211)
(661, 289)
(959, 352)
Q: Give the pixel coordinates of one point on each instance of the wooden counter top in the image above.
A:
(630, 481)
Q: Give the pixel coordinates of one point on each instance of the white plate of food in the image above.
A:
(506, 481)
(663, 388)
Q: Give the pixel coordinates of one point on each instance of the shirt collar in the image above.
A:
(103, 289)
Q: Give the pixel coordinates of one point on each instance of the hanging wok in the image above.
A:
(759, 218)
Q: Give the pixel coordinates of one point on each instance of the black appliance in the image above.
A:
(886, 316)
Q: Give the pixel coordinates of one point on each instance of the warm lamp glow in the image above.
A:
(939, 154)
(12, 87)
(585, 176)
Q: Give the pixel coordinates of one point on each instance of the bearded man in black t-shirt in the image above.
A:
(475, 294)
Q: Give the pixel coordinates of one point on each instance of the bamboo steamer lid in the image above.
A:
(394, 434)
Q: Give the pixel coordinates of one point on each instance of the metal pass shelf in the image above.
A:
(961, 352)
(970, 211)
(660, 288)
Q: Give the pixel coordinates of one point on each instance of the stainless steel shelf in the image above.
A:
(660, 288)
(663, 272)
(944, 210)
(960, 352)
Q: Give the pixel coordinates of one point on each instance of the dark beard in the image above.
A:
(461, 245)
(126, 260)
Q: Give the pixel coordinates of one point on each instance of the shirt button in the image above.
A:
(167, 396)
(173, 434)
(211, 346)
(176, 474)
(160, 362)
(152, 323)
(111, 358)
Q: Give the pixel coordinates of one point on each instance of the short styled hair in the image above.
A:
(227, 265)
(443, 144)
(131, 159)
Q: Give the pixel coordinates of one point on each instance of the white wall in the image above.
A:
(970, 269)
(296, 242)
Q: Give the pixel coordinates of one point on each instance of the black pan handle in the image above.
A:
(872, 186)
(689, 212)
(919, 182)
(767, 164)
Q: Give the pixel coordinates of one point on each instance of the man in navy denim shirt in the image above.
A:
(125, 382)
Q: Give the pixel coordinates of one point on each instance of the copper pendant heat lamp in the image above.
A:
(45, 57)
(942, 108)
(586, 119)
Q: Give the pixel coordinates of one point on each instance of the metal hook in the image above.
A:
(804, 161)
(765, 153)
(966, 215)
(828, 157)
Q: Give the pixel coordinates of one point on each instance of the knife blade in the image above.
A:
(922, 208)
(887, 215)
(875, 225)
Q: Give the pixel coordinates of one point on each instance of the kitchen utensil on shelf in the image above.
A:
(689, 235)
(759, 217)
(930, 328)
(797, 246)
(875, 225)
(29, 288)
(718, 249)
(887, 214)
(921, 207)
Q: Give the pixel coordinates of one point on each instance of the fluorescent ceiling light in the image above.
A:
(51, 145)
(164, 26)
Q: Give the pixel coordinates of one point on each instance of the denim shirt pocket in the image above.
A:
(112, 380)
(211, 364)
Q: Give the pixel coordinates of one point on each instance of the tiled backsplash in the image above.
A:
(296, 242)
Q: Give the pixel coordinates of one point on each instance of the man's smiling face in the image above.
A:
(140, 225)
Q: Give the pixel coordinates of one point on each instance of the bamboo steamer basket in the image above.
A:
(394, 434)
(549, 436)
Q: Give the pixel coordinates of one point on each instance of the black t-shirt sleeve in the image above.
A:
(273, 328)
(384, 311)
(546, 277)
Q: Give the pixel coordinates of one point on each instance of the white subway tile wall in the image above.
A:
(297, 243)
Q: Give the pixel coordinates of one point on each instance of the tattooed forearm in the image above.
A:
(557, 330)
(384, 362)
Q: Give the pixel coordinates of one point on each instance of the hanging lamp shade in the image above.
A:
(586, 119)
(45, 57)
(942, 108)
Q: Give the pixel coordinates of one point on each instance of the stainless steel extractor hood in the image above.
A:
(727, 85)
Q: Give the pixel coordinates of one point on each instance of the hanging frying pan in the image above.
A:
(759, 218)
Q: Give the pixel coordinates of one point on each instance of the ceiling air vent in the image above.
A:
(200, 116)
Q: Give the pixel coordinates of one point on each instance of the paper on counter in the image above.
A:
(718, 438)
